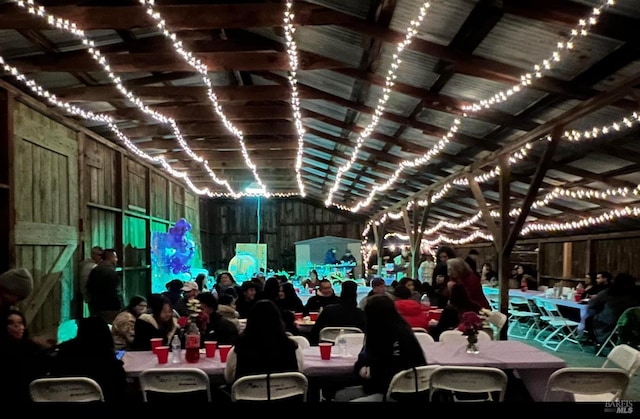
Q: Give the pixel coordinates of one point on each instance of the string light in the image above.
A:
(382, 100)
(292, 52)
(94, 52)
(201, 68)
(539, 69)
(454, 127)
(105, 119)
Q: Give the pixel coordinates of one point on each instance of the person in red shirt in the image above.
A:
(410, 309)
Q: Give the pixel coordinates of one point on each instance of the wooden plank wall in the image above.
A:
(223, 223)
(63, 189)
(613, 252)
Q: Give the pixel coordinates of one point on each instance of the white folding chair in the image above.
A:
(301, 340)
(354, 339)
(456, 336)
(624, 357)
(469, 383)
(270, 387)
(414, 382)
(156, 382)
(330, 333)
(424, 338)
(419, 330)
(65, 389)
(588, 384)
(497, 320)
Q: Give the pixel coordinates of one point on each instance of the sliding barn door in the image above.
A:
(46, 214)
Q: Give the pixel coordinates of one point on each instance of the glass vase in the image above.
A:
(472, 344)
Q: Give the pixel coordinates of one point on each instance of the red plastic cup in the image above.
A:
(163, 354)
(155, 342)
(210, 348)
(325, 350)
(298, 316)
(224, 352)
(313, 316)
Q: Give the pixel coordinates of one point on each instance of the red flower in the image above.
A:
(183, 321)
(470, 324)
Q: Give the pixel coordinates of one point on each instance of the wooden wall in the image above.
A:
(224, 223)
(63, 189)
(569, 259)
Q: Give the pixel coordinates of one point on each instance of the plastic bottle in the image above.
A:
(192, 343)
(425, 302)
(341, 343)
(176, 347)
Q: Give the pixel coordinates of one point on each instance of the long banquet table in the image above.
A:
(580, 308)
(531, 364)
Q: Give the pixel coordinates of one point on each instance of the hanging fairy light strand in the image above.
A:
(105, 119)
(382, 100)
(292, 52)
(539, 69)
(584, 23)
(95, 53)
(201, 68)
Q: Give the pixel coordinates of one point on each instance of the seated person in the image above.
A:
(410, 309)
(459, 303)
(324, 296)
(345, 313)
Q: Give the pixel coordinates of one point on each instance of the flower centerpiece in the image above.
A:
(470, 325)
(196, 315)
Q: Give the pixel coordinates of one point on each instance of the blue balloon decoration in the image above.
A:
(172, 252)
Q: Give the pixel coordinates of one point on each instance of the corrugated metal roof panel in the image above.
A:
(324, 108)
(359, 8)
(328, 81)
(331, 42)
(55, 80)
(600, 163)
(398, 103)
(442, 22)
(622, 74)
(525, 42)
(475, 89)
(416, 69)
(622, 7)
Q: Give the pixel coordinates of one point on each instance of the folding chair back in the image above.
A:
(301, 340)
(587, 383)
(270, 387)
(330, 333)
(179, 382)
(412, 383)
(65, 389)
(625, 357)
(476, 383)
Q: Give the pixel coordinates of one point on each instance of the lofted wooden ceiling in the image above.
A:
(463, 52)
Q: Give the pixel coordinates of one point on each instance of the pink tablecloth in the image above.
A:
(531, 364)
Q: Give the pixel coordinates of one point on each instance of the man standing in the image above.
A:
(104, 288)
(86, 266)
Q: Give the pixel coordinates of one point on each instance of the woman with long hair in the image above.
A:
(124, 325)
(460, 273)
(264, 346)
(160, 323)
(390, 345)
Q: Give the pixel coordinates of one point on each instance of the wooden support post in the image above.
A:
(567, 258)
(484, 209)
(504, 268)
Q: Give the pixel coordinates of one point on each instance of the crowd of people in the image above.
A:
(268, 306)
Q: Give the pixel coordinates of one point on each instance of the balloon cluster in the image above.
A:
(173, 252)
